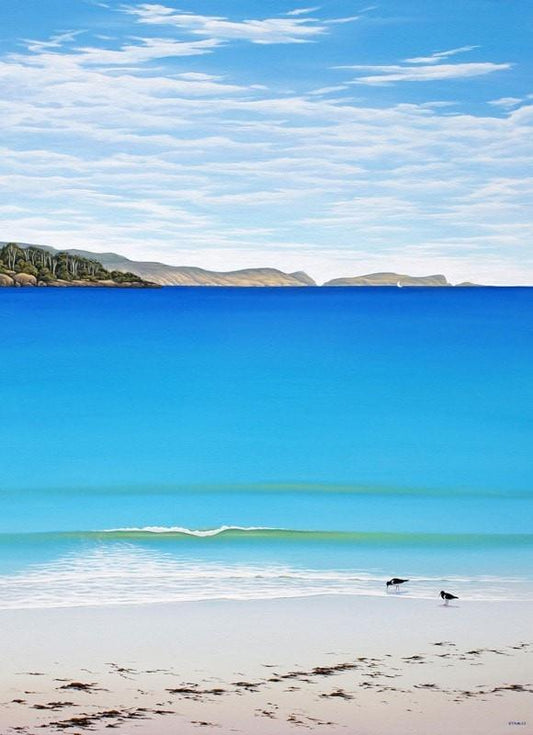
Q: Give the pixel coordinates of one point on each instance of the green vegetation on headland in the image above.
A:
(34, 266)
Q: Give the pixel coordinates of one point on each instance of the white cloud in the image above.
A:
(378, 75)
(506, 102)
(425, 69)
(55, 42)
(348, 19)
(303, 11)
(328, 90)
(147, 49)
(288, 29)
(196, 76)
(436, 57)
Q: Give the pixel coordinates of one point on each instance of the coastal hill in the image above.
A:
(390, 279)
(169, 275)
(36, 266)
(190, 276)
(172, 275)
(84, 268)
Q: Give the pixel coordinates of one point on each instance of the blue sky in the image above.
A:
(336, 137)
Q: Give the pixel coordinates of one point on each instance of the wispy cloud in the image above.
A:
(328, 90)
(378, 75)
(146, 49)
(303, 11)
(348, 19)
(436, 57)
(425, 69)
(275, 30)
(55, 42)
(506, 102)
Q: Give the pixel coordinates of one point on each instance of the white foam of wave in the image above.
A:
(131, 576)
(187, 531)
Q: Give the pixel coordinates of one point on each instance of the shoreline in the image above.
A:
(328, 663)
(268, 287)
(71, 284)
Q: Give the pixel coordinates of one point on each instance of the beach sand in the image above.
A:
(385, 665)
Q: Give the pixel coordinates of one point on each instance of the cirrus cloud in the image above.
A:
(379, 75)
(276, 30)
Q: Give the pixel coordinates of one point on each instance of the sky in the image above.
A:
(334, 137)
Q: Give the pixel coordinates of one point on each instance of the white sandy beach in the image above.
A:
(335, 664)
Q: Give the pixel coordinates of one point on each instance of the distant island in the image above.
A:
(32, 265)
(394, 279)
(37, 266)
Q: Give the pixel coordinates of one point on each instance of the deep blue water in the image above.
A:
(377, 411)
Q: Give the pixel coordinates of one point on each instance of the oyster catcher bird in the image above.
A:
(447, 596)
(396, 582)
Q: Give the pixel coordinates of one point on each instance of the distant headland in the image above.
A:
(395, 279)
(39, 265)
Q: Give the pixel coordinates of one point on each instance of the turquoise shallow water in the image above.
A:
(344, 436)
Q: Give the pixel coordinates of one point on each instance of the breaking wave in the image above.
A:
(265, 533)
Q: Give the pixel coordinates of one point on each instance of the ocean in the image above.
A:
(210, 443)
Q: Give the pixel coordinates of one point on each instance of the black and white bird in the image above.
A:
(396, 582)
(447, 596)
